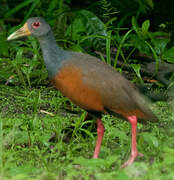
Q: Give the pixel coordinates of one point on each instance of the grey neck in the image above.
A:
(53, 55)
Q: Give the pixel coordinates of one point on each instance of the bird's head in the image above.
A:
(35, 26)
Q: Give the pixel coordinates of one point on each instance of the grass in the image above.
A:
(44, 136)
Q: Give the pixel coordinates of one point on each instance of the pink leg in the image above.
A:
(134, 152)
(100, 133)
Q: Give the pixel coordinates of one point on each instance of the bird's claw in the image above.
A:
(131, 159)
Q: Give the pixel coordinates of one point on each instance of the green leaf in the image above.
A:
(75, 32)
(159, 44)
(169, 151)
(18, 7)
(140, 44)
(150, 3)
(136, 68)
(120, 134)
(3, 45)
(93, 22)
(86, 23)
(169, 156)
(108, 47)
(121, 175)
(135, 24)
(169, 55)
(90, 163)
(146, 25)
(150, 138)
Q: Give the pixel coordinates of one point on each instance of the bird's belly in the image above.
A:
(69, 81)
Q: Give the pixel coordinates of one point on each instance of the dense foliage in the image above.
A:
(42, 134)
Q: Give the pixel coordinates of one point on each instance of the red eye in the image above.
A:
(35, 25)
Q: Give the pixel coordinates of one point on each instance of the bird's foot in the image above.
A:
(131, 159)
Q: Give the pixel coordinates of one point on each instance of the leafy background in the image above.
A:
(42, 134)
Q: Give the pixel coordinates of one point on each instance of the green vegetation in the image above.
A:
(43, 137)
(42, 134)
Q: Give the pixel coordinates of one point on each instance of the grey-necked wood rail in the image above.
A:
(88, 82)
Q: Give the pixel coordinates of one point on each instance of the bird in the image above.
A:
(90, 83)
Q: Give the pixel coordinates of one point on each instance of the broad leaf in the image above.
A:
(145, 25)
(150, 138)
(159, 44)
(169, 55)
(85, 24)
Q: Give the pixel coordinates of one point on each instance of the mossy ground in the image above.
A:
(44, 136)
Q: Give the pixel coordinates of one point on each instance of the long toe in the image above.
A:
(131, 160)
(140, 154)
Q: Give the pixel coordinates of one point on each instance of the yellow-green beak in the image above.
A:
(23, 31)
